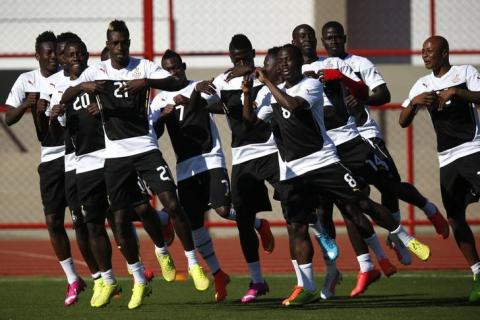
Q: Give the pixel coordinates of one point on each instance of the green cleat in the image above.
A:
(139, 292)
(199, 278)
(107, 293)
(419, 249)
(97, 291)
(303, 297)
(475, 293)
(168, 267)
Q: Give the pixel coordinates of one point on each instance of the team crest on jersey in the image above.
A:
(328, 64)
(456, 78)
(136, 73)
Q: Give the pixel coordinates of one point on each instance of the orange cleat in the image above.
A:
(295, 292)
(440, 224)
(221, 280)
(266, 236)
(364, 279)
(387, 267)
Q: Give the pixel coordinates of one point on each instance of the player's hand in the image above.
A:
(353, 102)
(133, 86)
(261, 75)
(31, 99)
(42, 105)
(206, 86)
(181, 100)
(445, 96)
(56, 111)
(239, 71)
(92, 86)
(167, 111)
(425, 99)
(247, 85)
(93, 109)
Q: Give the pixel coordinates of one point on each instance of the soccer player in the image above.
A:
(24, 96)
(123, 93)
(449, 94)
(309, 164)
(84, 130)
(334, 39)
(201, 171)
(254, 157)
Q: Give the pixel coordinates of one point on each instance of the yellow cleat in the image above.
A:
(139, 292)
(108, 291)
(200, 280)
(97, 290)
(168, 267)
(419, 249)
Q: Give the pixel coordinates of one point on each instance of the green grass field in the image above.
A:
(420, 295)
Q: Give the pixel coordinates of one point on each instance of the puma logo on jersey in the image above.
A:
(456, 78)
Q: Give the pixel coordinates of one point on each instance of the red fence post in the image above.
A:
(432, 18)
(171, 25)
(148, 29)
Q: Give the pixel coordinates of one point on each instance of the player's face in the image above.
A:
(432, 54)
(270, 65)
(334, 42)
(287, 66)
(60, 52)
(118, 46)
(241, 57)
(305, 40)
(47, 57)
(175, 67)
(76, 59)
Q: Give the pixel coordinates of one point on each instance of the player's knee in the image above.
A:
(54, 222)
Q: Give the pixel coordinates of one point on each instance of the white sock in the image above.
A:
(255, 272)
(402, 235)
(331, 265)
(138, 272)
(365, 262)
(374, 244)
(191, 258)
(163, 215)
(69, 269)
(161, 251)
(429, 209)
(306, 271)
(297, 273)
(96, 275)
(476, 269)
(204, 245)
(396, 215)
(108, 277)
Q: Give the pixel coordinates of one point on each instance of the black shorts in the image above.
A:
(92, 193)
(380, 146)
(52, 186)
(460, 184)
(208, 189)
(122, 182)
(71, 190)
(365, 162)
(249, 192)
(301, 194)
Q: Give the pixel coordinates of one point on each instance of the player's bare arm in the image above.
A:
(422, 100)
(13, 115)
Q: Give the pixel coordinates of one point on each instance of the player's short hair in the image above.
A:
(240, 42)
(46, 36)
(117, 26)
(302, 26)
(297, 53)
(273, 51)
(68, 36)
(332, 24)
(443, 43)
(169, 54)
(76, 42)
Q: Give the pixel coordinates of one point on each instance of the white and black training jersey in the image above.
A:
(125, 114)
(193, 133)
(248, 142)
(368, 73)
(52, 147)
(85, 132)
(456, 124)
(301, 137)
(341, 128)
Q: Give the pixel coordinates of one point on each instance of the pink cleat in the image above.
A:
(255, 290)
(73, 290)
